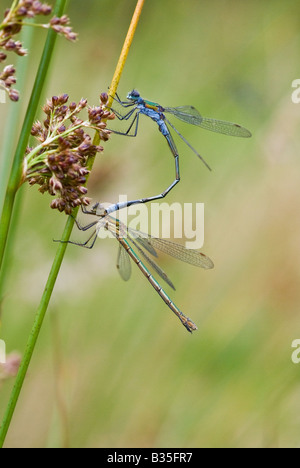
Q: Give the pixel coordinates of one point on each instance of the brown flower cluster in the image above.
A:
(7, 79)
(60, 25)
(12, 24)
(59, 162)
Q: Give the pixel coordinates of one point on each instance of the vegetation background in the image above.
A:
(113, 367)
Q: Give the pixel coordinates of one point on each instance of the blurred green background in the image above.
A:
(113, 367)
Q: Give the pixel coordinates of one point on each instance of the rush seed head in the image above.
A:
(58, 162)
(14, 19)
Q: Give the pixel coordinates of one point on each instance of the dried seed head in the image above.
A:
(37, 129)
(82, 103)
(54, 100)
(46, 10)
(59, 26)
(22, 11)
(10, 81)
(59, 167)
(63, 99)
(104, 98)
(8, 71)
(13, 23)
(14, 95)
(72, 106)
(7, 79)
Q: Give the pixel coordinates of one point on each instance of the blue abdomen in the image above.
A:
(156, 116)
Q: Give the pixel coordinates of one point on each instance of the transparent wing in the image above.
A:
(142, 239)
(191, 256)
(190, 115)
(151, 262)
(144, 242)
(227, 128)
(123, 264)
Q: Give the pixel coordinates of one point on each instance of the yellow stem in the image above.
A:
(126, 46)
(120, 65)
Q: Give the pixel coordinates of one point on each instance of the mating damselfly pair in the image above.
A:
(136, 245)
(132, 243)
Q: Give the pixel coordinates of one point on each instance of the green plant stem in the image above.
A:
(17, 167)
(61, 251)
(35, 330)
(6, 266)
(13, 118)
(8, 146)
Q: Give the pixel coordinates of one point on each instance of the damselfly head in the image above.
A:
(99, 209)
(133, 95)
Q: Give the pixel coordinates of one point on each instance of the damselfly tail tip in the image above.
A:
(190, 326)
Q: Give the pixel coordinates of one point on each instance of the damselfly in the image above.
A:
(134, 244)
(137, 106)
